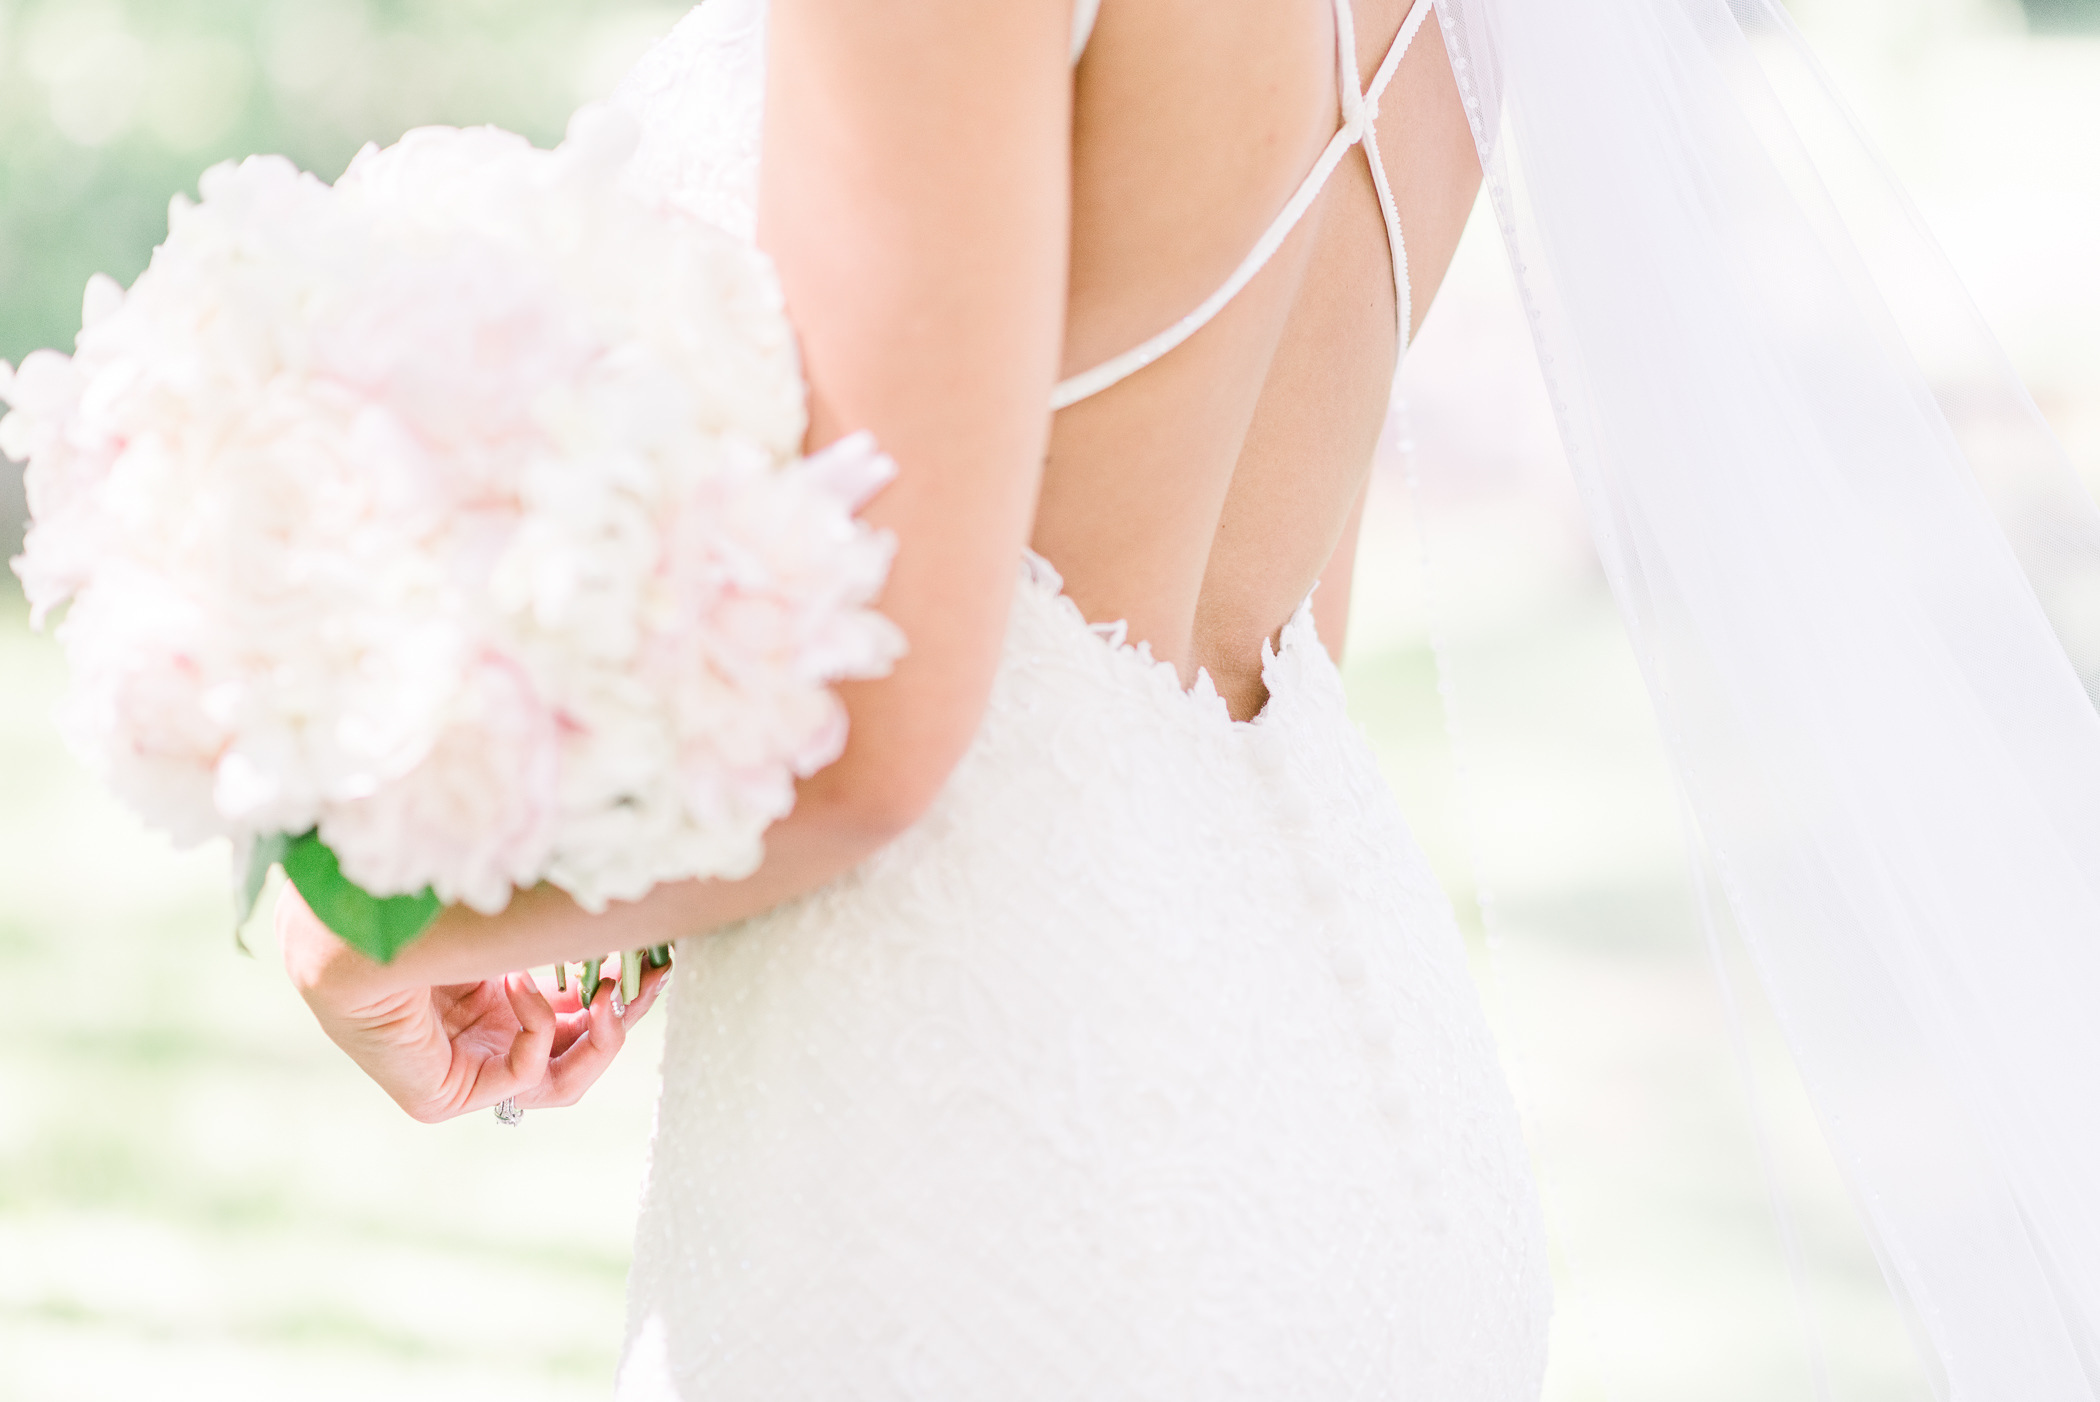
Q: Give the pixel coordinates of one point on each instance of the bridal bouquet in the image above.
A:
(445, 531)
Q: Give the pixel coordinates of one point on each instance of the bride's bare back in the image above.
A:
(934, 179)
(1202, 497)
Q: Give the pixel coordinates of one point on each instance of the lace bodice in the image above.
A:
(1146, 1066)
(699, 93)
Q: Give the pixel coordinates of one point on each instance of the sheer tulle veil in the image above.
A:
(1863, 586)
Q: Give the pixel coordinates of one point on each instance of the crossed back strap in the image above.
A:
(1359, 124)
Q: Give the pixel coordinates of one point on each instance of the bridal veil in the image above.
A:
(1863, 586)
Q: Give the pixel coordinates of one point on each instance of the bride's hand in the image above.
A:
(447, 1050)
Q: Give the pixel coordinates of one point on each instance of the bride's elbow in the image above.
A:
(878, 814)
(907, 732)
(887, 780)
(874, 804)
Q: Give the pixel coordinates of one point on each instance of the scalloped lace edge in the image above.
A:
(1281, 666)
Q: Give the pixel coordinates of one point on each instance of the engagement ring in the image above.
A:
(508, 1114)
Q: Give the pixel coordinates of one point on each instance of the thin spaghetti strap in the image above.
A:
(1359, 124)
(1092, 382)
(1345, 80)
(1409, 27)
(1396, 241)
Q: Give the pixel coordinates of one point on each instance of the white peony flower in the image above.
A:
(480, 804)
(456, 511)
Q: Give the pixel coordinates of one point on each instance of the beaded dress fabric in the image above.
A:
(1146, 1065)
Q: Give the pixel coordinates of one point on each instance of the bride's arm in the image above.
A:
(914, 194)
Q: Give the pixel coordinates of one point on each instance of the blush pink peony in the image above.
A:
(458, 511)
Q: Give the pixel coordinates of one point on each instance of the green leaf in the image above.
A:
(263, 853)
(374, 926)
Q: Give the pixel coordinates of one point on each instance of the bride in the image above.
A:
(1094, 1026)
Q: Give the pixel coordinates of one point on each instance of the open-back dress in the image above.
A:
(1146, 1065)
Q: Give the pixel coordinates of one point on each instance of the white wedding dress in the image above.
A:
(1147, 1065)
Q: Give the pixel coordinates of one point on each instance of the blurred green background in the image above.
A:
(198, 1196)
(109, 107)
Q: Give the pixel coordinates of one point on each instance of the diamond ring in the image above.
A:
(508, 1114)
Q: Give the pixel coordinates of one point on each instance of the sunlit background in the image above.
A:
(199, 1197)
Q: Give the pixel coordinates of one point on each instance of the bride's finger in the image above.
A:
(578, 1069)
(570, 1027)
(652, 984)
(585, 1044)
(578, 1066)
(564, 1000)
(525, 1065)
